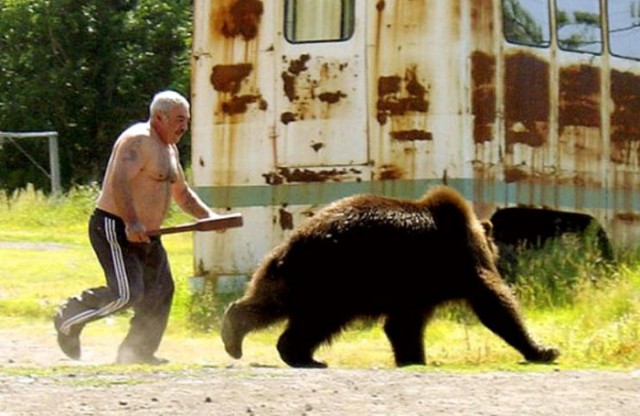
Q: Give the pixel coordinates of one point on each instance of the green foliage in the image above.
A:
(562, 18)
(585, 18)
(551, 276)
(205, 309)
(85, 70)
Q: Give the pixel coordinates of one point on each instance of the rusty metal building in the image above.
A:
(516, 103)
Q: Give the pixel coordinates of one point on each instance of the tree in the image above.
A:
(85, 69)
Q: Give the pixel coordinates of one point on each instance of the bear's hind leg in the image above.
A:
(301, 338)
(497, 309)
(405, 331)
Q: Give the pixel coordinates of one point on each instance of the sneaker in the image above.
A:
(69, 343)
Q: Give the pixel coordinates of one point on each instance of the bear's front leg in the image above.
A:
(299, 341)
(405, 331)
(497, 309)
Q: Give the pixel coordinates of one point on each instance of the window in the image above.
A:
(624, 28)
(578, 25)
(526, 22)
(319, 20)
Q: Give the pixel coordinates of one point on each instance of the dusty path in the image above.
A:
(264, 391)
(231, 388)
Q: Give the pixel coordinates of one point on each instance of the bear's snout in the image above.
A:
(230, 337)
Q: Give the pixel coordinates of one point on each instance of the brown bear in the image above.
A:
(370, 256)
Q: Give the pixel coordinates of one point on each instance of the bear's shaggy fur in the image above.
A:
(369, 256)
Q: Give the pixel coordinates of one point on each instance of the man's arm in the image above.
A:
(187, 199)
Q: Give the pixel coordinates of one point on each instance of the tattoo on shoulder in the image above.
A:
(131, 151)
(131, 155)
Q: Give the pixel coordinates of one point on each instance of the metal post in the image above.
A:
(54, 164)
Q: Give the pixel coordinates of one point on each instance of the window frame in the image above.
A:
(289, 23)
(610, 43)
(602, 33)
(543, 45)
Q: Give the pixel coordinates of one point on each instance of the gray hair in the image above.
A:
(165, 101)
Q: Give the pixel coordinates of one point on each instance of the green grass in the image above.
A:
(590, 311)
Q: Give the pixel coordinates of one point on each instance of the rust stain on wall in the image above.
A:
(389, 85)
(228, 78)
(393, 101)
(628, 217)
(390, 172)
(272, 178)
(296, 66)
(483, 100)
(317, 146)
(285, 219)
(411, 135)
(526, 100)
(482, 21)
(579, 97)
(624, 93)
(625, 129)
(514, 174)
(289, 85)
(331, 97)
(242, 18)
(287, 117)
(314, 88)
(239, 104)
(307, 175)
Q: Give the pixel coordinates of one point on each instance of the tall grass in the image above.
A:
(556, 273)
(46, 256)
(569, 296)
(30, 214)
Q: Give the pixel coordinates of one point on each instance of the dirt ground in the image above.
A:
(35, 379)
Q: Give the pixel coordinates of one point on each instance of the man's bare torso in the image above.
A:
(148, 166)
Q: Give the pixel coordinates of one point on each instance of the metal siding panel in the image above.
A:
(418, 107)
(232, 92)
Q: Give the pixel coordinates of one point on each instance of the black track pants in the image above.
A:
(137, 276)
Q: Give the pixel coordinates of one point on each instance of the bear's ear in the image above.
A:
(488, 227)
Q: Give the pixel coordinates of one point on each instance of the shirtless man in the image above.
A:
(142, 176)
